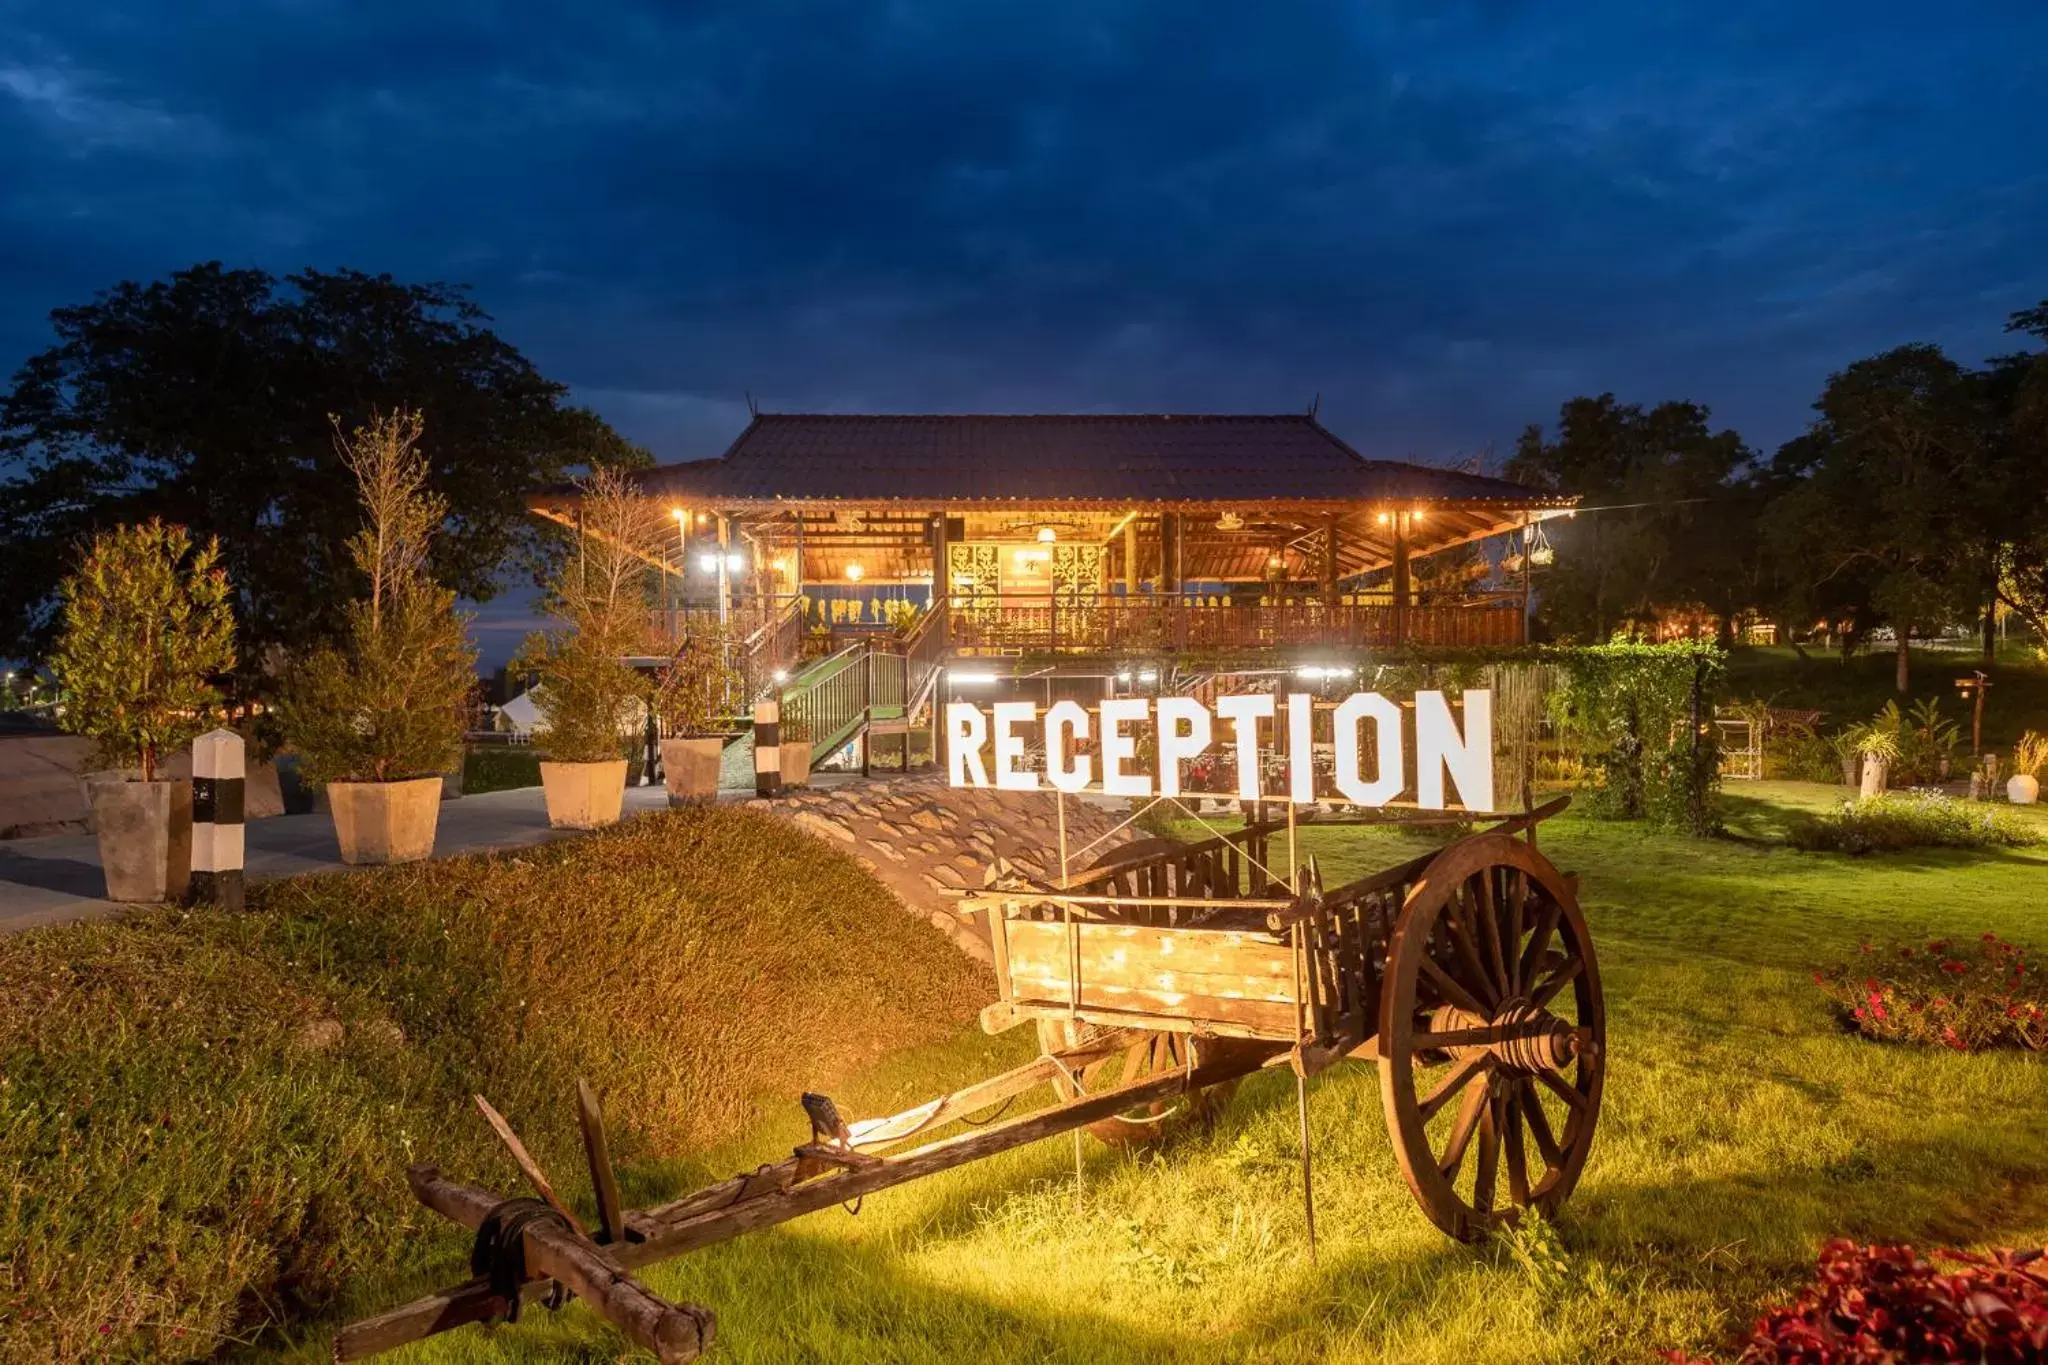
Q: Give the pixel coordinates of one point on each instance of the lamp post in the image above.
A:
(1974, 687)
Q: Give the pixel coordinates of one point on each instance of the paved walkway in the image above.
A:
(56, 878)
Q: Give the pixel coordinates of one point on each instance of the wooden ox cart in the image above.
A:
(1157, 980)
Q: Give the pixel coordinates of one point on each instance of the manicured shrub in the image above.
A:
(1965, 995)
(148, 624)
(1897, 820)
(500, 767)
(1887, 1305)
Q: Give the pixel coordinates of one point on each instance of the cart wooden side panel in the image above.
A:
(1241, 980)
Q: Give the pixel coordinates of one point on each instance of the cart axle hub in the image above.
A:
(1522, 1037)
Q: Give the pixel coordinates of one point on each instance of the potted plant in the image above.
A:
(378, 720)
(2029, 763)
(1879, 748)
(698, 689)
(794, 749)
(589, 698)
(1847, 745)
(147, 625)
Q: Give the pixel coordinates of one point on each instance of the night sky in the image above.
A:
(1442, 217)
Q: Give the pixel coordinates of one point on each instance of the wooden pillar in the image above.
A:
(1131, 557)
(1169, 552)
(1401, 584)
(1330, 560)
(942, 574)
(1526, 538)
(724, 574)
(796, 580)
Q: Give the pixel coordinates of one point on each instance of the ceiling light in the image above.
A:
(854, 571)
(973, 679)
(1047, 535)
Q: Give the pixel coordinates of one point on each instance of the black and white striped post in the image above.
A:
(219, 769)
(768, 747)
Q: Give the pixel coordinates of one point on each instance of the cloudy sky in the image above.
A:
(1443, 217)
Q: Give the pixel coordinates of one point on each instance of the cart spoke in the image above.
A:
(1489, 1155)
(1489, 923)
(1518, 1165)
(1468, 950)
(1453, 1084)
(1516, 902)
(1461, 1131)
(1562, 1090)
(1539, 940)
(1542, 995)
(1451, 991)
(1539, 1128)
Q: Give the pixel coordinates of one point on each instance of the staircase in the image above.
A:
(870, 687)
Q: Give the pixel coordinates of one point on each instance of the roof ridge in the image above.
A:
(1035, 417)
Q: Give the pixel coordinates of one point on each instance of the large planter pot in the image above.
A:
(2022, 790)
(385, 822)
(584, 795)
(1848, 772)
(145, 834)
(689, 767)
(796, 762)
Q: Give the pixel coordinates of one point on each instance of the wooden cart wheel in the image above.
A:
(1492, 1036)
(1162, 1119)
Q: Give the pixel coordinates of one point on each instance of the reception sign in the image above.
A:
(1369, 743)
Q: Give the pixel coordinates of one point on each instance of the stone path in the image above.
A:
(930, 844)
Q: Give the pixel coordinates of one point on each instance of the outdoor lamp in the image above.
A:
(854, 571)
(679, 514)
(708, 563)
(735, 562)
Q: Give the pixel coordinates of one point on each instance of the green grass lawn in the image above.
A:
(1851, 690)
(1742, 1126)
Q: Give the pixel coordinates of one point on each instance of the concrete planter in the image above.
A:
(385, 822)
(2022, 790)
(690, 769)
(145, 834)
(584, 795)
(796, 762)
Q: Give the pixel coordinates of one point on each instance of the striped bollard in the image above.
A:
(218, 772)
(768, 747)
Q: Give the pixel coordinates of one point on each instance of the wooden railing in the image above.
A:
(1116, 625)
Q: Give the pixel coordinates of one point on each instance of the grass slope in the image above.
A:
(205, 1120)
(1742, 1126)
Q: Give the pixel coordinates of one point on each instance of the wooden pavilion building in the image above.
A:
(1075, 544)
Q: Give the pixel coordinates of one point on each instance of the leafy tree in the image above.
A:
(389, 704)
(600, 593)
(147, 627)
(1679, 534)
(2017, 390)
(206, 398)
(1887, 495)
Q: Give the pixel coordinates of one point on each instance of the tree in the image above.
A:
(1679, 532)
(147, 627)
(1887, 495)
(2017, 390)
(389, 704)
(205, 398)
(587, 693)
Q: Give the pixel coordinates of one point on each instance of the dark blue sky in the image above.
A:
(1444, 217)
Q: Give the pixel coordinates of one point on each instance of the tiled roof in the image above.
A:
(804, 457)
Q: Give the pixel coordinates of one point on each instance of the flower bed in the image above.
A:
(1879, 824)
(1888, 1304)
(1967, 996)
